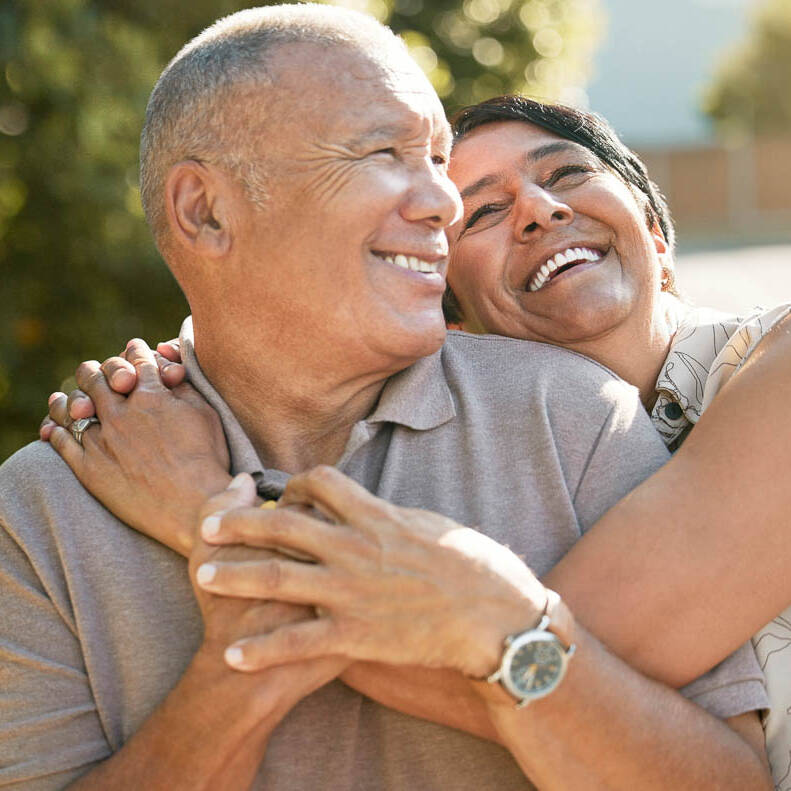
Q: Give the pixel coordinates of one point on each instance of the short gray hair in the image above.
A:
(191, 113)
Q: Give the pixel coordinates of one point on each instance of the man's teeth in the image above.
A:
(411, 262)
(558, 260)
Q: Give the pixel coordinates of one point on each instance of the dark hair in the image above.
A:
(588, 129)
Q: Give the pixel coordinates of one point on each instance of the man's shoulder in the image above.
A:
(40, 497)
(508, 367)
(34, 468)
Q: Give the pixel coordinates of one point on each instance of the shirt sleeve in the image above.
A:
(50, 730)
(741, 344)
(626, 452)
(734, 686)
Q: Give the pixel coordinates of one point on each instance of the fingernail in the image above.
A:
(210, 526)
(234, 656)
(269, 504)
(115, 378)
(206, 573)
(238, 481)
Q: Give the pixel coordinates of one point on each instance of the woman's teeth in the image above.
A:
(411, 262)
(573, 255)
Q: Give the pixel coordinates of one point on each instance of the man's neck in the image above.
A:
(297, 415)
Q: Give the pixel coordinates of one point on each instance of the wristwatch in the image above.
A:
(534, 662)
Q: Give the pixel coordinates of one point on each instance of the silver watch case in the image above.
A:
(533, 664)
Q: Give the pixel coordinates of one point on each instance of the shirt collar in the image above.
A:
(699, 339)
(418, 397)
(701, 334)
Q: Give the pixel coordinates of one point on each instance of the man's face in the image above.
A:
(529, 196)
(351, 244)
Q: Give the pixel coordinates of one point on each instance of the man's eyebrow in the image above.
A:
(444, 138)
(379, 133)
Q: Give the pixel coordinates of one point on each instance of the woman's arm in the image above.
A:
(695, 560)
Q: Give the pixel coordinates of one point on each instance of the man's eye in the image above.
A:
(566, 170)
(481, 211)
(389, 151)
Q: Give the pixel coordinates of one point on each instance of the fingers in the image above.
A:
(67, 447)
(290, 643)
(142, 358)
(172, 374)
(170, 350)
(45, 429)
(282, 528)
(120, 374)
(337, 496)
(91, 380)
(79, 405)
(58, 409)
(274, 578)
(240, 493)
(186, 392)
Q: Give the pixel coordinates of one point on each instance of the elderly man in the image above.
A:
(302, 211)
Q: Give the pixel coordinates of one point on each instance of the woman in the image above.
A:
(582, 277)
(546, 250)
(619, 251)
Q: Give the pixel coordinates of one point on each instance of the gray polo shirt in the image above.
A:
(528, 442)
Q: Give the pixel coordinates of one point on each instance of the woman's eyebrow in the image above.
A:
(533, 156)
(482, 183)
(552, 148)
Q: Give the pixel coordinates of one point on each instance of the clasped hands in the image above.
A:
(399, 586)
(394, 585)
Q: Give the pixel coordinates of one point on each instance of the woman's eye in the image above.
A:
(566, 170)
(481, 211)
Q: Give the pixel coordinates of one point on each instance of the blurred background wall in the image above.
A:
(699, 87)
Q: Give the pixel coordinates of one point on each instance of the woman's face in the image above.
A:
(552, 245)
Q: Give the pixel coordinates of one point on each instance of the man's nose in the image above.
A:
(433, 198)
(539, 210)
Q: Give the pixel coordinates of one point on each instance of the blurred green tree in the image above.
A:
(750, 92)
(80, 272)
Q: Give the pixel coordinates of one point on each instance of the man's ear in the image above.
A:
(196, 197)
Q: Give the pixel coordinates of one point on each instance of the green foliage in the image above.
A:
(750, 94)
(80, 274)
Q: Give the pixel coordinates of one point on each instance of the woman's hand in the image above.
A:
(156, 455)
(390, 584)
(121, 376)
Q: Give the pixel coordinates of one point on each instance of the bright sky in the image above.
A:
(656, 59)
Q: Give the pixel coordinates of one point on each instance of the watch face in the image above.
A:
(536, 667)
